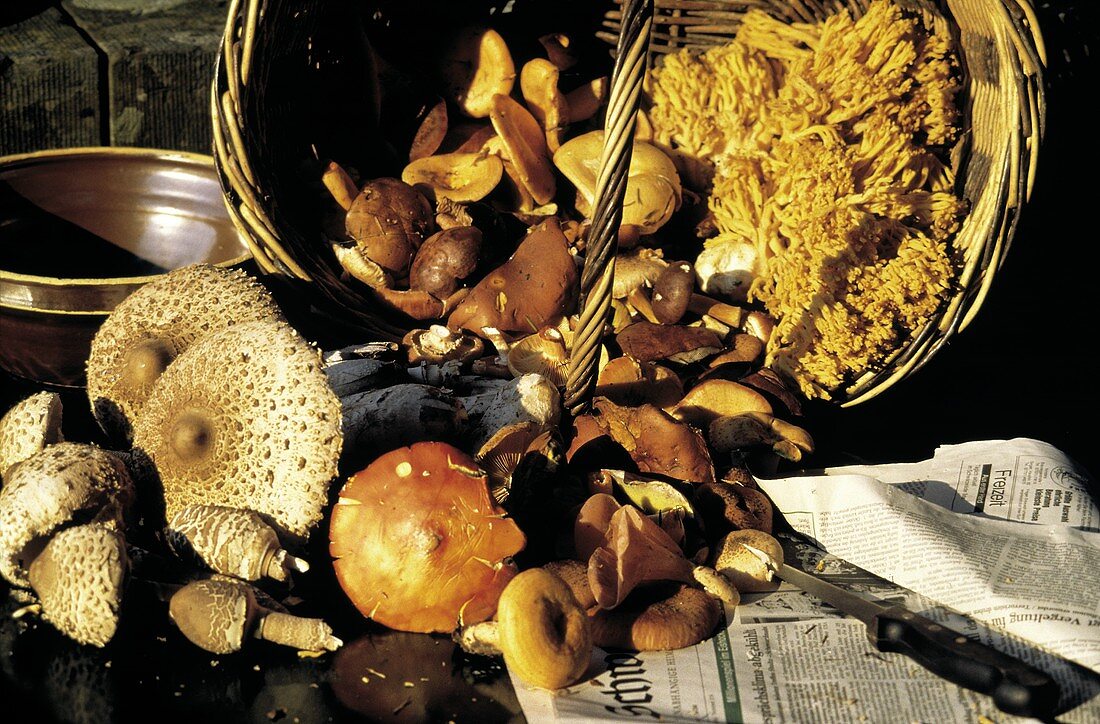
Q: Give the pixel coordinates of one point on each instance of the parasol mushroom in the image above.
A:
(230, 541)
(64, 482)
(219, 614)
(154, 325)
(244, 418)
(79, 578)
(419, 545)
(30, 425)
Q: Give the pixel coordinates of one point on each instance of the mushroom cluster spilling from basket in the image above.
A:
(786, 226)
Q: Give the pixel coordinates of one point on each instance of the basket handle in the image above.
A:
(598, 272)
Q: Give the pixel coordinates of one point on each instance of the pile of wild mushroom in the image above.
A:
(458, 495)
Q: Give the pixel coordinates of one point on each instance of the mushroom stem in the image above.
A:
(482, 639)
(305, 634)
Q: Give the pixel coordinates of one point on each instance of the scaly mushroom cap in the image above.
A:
(79, 578)
(661, 619)
(154, 325)
(418, 541)
(214, 614)
(245, 418)
(61, 483)
(29, 426)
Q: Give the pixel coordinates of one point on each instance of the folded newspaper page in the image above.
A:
(1030, 589)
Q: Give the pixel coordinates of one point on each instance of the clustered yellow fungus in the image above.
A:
(818, 147)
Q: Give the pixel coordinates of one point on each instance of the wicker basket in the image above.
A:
(290, 73)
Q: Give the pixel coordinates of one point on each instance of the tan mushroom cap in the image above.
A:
(543, 353)
(749, 558)
(245, 418)
(61, 483)
(30, 425)
(627, 382)
(660, 618)
(159, 322)
(502, 453)
(575, 575)
(653, 189)
(717, 398)
(460, 177)
(525, 144)
(544, 633)
(475, 67)
(79, 578)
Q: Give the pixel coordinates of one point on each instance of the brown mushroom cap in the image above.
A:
(389, 220)
(444, 260)
(245, 418)
(628, 382)
(575, 575)
(63, 482)
(659, 618)
(716, 398)
(657, 442)
(437, 345)
(30, 425)
(419, 543)
(725, 507)
(79, 578)
(649, 342)
(525, 144)
(159, 321)
(529, 291)
(672, 292)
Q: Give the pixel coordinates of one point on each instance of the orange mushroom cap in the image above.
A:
(419, 543)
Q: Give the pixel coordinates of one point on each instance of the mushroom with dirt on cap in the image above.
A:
(156, 324)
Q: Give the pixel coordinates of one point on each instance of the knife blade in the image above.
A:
(1015, 687)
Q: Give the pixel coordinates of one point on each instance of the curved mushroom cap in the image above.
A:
(47, 490)
(653, 189)
(661, 618)
(29, 426)
(245, 418)
(158, 322)
(79, 578)
(419, 543)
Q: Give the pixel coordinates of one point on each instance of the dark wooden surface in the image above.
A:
(108, 72)
(1026, 367)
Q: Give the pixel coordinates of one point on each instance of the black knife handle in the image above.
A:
(1016, 687)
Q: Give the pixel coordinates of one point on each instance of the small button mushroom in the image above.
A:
(63, 482)
(476, 66)
(660, 618)
(415, 517)
(540, 629)
(672, 292)
(749, 558)
(231, 541)
(388, 220)
(79, 578)
(220, 614)
(445, 260)
(459, 177)
(28, 426)
(727, 267)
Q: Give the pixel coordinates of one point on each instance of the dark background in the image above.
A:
(1026, 367)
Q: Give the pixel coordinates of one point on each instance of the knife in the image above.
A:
(1016, 687)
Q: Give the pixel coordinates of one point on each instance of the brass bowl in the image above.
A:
(81, 229)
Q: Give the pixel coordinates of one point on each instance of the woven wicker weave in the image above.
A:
(267, 75)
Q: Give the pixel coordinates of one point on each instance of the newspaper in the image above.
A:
(955, 538)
